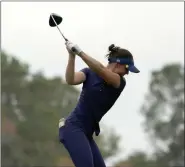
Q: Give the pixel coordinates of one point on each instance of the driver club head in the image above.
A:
(58, 19)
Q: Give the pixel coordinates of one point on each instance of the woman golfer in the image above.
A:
(102, 85)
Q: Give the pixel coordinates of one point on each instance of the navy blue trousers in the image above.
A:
(83, 150)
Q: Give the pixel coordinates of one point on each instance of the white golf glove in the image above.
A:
(73, 47)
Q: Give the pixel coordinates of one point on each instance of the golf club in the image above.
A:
(54, 21)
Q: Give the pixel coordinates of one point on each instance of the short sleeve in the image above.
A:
(85, 71)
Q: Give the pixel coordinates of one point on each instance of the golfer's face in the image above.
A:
(122, 70)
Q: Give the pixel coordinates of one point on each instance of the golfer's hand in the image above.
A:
(71, 54)
(73, 47)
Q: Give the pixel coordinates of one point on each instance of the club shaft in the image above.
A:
(59, 29)
(61, 33)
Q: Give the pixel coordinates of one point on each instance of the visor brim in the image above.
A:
(133, 69)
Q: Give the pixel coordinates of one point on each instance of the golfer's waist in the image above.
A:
(89, 125)
(83, 119)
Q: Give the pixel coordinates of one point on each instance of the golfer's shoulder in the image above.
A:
(122, 82)
(123, 79)
(85, 70)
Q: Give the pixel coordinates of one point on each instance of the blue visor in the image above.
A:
(133, 69)
(129, 62)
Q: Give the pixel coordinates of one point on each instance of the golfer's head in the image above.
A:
(121, 60)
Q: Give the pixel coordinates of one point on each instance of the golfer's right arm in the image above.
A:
(72, 77)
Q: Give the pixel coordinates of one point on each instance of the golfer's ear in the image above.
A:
(110, 77)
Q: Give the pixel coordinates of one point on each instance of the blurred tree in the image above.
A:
(163, 111)
(31, 107)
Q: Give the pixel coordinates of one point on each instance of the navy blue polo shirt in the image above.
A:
(96, 99)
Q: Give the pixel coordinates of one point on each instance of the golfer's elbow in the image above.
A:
(69, 82)
(69, 79)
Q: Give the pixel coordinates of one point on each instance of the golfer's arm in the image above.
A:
(102, 71)
(72, 77)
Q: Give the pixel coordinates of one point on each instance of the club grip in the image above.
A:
(73, 49)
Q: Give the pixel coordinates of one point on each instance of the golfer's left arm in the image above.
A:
(110, 77)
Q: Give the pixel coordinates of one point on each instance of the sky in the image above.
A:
(152, 31)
